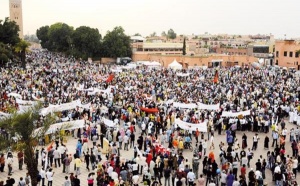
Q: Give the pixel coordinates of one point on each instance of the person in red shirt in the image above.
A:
(243, 171)
(197, 133)
(149, 158)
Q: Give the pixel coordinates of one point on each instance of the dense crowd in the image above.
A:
(140, 103)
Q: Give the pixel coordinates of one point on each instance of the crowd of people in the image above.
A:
(140, 102)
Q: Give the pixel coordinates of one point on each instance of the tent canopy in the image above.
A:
(175, 65)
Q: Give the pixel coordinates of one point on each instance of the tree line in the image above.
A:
(11, 46)
(84, 41)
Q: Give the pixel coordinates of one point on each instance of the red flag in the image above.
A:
(110, 78)
(216, 78)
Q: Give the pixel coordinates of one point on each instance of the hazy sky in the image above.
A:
(278, 17)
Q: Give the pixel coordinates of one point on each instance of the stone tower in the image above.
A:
(15, 14)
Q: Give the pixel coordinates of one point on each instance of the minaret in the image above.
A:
(15, 12)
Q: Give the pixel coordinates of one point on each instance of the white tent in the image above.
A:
(155, 63)
(175, 65)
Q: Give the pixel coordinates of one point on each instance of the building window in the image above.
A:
(285, 53)
(277, 53)
(291, 54)
(276, 62)
(296, 54)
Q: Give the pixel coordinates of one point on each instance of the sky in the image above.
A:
(187, 17)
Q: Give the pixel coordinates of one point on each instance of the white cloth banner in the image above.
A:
(183, 74)
(294, 117)
(202, 127)
(86, 106)
(4, 114)
(23, 102)
(184, 105)
(235, 114)
(37, 99)
(108, 122)
(66, 106)
(69, 125)
(62, 107)
(16, 95)
(96, 90)
(116, 70)
(208, 107)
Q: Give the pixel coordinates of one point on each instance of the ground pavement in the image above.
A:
(71, 144)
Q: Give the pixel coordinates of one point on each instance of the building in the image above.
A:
(15, 14)
(196, 61)
(140, 45)
(287, 53)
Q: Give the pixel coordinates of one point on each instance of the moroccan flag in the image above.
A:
(110, 78)
(216, 78)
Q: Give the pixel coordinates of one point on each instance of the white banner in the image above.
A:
(184, 105)
(16, 95)
(116, 70)
(294, 118)
(66, 106)
(37, 99)
(202, 127)
(202, 106)
(69, 125)
(86, 106)
(183, 74)
(4, 114)
(108, 122)
(23, 102)
(235, 114)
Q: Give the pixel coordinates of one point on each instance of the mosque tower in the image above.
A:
(15, 14)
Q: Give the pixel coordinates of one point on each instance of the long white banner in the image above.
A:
(208, 107)
(184, 105)
(108, 122)
(183, 74)
(69, 125)
(202, 127)
(235, 114)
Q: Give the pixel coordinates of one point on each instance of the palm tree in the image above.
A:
(25, 126)
(22, 48)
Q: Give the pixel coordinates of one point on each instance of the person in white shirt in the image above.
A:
(143, 128)
(56, 156)
(295, 166)
(10, 162)
(43, 175)
(49, 176)
(223, 178)
(22, 182)
(114, 175)
(236, 182)
(191, 177)
(110, 170)
(126, 140)
(135, 180)
(204, 146)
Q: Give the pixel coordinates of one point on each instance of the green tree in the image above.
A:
(153, 34)
(137, 34)
(5, 54)
(184, 47)
(60, 37)
(21, 48)
(9, 32)
(86, 41)
(117, 44)
(163, 34)
(23, 125)
(43, 35)
(171, 34)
